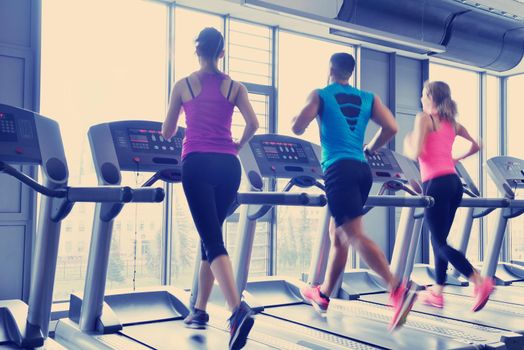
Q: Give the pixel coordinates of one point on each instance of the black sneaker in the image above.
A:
(240, 324)
(197, 319)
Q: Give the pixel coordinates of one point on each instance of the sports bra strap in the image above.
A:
(189, 86)
(433, 122)
(230, 89)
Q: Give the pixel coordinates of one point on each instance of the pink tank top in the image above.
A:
(208, 119)
(436, 159)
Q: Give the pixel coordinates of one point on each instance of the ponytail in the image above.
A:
(441, 96)
(448, 109)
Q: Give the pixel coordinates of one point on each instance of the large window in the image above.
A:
(465, 91)
(104, 61)
(515, 146)
(250, 62)
(250, 52)
(299, 74)
(491, 143)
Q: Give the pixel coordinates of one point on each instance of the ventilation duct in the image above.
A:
(471, 36)
(448, 29)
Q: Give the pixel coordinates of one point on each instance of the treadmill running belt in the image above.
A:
(366, 327)
(506, 294)
(458, 308)
(171, 335)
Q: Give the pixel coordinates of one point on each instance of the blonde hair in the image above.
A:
(441, 95)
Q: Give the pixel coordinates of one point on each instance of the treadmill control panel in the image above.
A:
(384, 166)
(291, 152)
(143, 140)
(18, 137)
(284, 156)
(507, 173)
(139, 145)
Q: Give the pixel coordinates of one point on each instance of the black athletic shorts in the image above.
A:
(348, 183)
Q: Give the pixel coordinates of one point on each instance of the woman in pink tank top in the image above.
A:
(211, 172)
(431, 142)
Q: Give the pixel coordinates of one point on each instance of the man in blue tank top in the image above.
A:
(343, 113)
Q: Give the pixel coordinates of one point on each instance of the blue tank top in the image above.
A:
(344, 115)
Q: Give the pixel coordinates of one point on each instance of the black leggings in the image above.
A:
(210, 182)
(447, 192)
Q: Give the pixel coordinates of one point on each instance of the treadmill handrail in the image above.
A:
(100, 194)
(489, 205)
(104, 194)
(478, 202)
(272, 198)
(148, 195)
(46, 191)
(516, 203)
(268, 200)
(397, 201)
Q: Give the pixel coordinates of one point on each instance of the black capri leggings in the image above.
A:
(210, 182)
(447, 191)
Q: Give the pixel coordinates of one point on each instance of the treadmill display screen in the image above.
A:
(7, 128)
(284, 152)
(146, 140)
(378, 161)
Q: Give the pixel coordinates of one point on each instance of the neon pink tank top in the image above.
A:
(436, 159)
(208, 119)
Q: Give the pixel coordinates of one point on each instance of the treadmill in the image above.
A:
(506, 173)
(496, 319)
(29, 138)
(150, 318)
(276, 156)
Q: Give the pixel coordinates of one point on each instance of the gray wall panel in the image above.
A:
(12, 240)
(408, 85)
(19, 86)
(15, 22)
(397, 81)
(375, 72)
(374, 77)
(12, 83)
(10, 200)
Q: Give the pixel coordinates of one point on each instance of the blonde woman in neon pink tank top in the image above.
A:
(431, 143)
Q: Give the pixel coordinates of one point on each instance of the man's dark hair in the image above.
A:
(342, 64)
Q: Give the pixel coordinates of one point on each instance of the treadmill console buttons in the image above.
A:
(7, 128)
(149, 140)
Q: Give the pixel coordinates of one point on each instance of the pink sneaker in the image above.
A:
(482, 293)
(429, 298)
(402, 300)
(312, 294)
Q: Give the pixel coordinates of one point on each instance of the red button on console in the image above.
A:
(19, 150)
